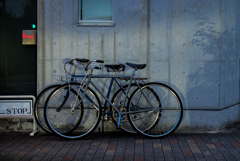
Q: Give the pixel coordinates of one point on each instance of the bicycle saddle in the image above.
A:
(136, 66)
(115, 67)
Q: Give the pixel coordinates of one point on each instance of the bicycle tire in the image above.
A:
(82, 128)
(170, 110)
(58, 107)
(39, 107)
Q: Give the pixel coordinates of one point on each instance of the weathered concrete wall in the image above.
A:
(16, 125)
(192, 45)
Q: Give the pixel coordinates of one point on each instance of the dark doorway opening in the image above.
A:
(18, 63)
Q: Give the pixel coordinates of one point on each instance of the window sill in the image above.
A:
(95, 24)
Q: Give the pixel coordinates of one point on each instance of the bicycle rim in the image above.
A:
(168, 108)
(78, 124)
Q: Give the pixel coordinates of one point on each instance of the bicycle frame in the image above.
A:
(90, 76)
(135, 100)
(113, 78)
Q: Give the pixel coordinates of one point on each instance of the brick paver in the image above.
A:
(122, 147)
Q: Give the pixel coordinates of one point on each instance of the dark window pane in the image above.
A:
(17, 62)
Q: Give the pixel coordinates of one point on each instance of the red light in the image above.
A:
(26, 36)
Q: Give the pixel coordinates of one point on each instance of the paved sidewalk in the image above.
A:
(179, 146)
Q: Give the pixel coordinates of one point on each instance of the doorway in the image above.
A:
(18, 63)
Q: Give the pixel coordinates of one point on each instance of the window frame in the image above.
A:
(95, 23)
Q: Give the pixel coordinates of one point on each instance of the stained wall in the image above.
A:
(191, 45)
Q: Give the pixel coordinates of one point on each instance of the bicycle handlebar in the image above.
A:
(99, 61)
(96, 67)
(83, 60)
(74, 61)
(92, 66)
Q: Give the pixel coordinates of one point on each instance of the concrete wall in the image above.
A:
(192, 45)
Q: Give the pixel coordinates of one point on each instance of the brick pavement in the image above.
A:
(122, 147)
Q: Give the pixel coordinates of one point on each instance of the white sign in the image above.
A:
(15, 107)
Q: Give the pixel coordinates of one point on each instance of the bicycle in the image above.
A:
(42, 96)
(150, 107)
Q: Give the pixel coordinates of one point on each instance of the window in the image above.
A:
(96, 12)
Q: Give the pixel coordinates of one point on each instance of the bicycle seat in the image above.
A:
(119, 67)
(136, 66)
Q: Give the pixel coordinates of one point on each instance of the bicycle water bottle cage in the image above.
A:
(136, 66)
(115, 67)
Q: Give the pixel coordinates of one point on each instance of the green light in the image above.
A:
(33, 26)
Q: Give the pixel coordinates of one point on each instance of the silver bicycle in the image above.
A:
(153, 109)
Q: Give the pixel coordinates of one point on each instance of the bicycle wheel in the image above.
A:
(117, 100)
(71, 124)
(39, 107)
(170, 110)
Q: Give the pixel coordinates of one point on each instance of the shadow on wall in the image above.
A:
(204, 88)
